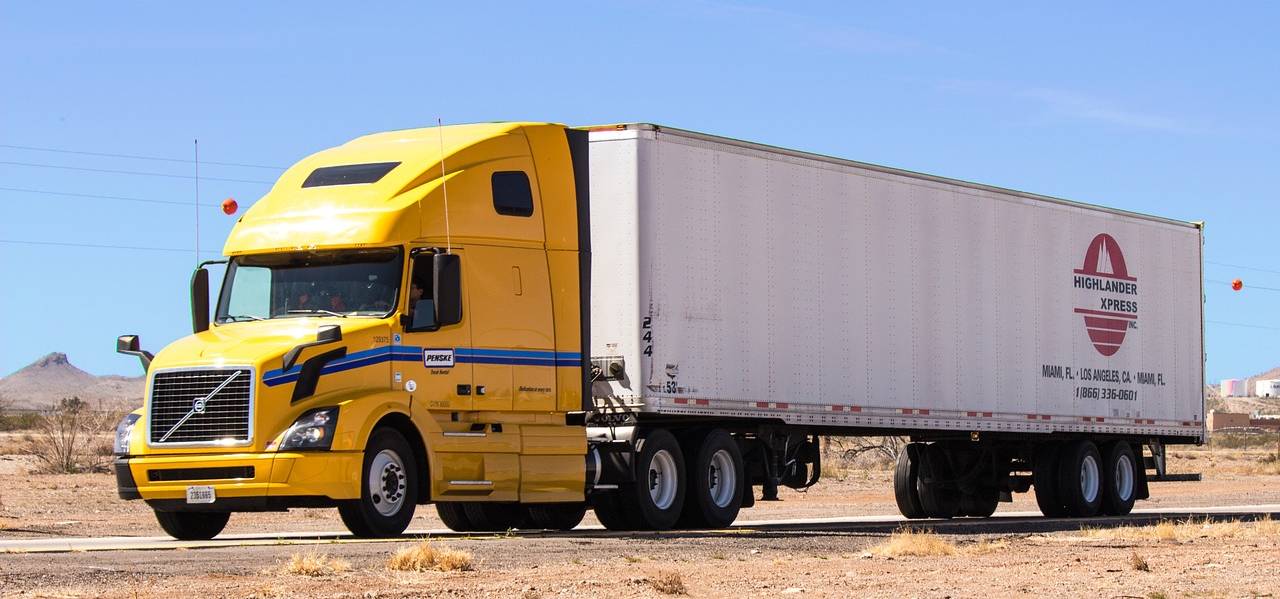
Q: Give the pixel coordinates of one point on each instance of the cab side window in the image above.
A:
(512, 194)
(421, 303)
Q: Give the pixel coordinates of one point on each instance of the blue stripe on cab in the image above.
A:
(410, 353)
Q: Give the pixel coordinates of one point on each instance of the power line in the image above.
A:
(119, 172)
(136, 157)
(1245, 287)
(102, 246)
(1254, 268)
(1241, 324)
(99, 197)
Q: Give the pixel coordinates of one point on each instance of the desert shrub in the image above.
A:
(425, 556)
(844, 454)
(71, 438)
(18, 421)
(1243, 440)
(313, 564)
(912, 542)
(668, 583)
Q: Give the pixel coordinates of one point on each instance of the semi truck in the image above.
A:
(521, 322)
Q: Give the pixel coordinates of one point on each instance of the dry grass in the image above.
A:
(424, 556)
(669, 583)
(985, 546)
(313, 564)
(915, 543)
(1139, 563)
(1187, 530)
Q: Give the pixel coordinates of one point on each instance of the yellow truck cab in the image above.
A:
(399, 324)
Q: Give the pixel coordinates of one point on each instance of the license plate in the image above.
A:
(202, 494)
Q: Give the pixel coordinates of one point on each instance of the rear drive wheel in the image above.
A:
(193, 526)
(715, 487)
(979, 505)
(1044, 477)
(389, 494)
(454, 516)
(655, 499)
(938, 495)
(556, 516)
(493, 517)
(906, 478)
(1080, 479)
(1121, 477)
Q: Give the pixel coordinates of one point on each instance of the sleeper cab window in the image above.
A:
(512, 195)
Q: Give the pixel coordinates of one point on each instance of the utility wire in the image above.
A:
(1241, 324)
(136, 157)
(99, 197)
(1245, 287)
(1254, 268)
(102, 246)
(119, 172)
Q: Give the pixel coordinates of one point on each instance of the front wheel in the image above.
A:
(389, 492)
(193, 526)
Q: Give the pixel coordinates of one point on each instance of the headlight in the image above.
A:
(312, 430)
(123, 431)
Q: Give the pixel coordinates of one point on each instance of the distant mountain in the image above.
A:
(48, 380)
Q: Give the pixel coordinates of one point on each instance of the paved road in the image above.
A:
(1001, 523)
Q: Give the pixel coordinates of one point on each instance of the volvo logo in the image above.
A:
(197, 405)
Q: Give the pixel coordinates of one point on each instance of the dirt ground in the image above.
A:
(1013, 560)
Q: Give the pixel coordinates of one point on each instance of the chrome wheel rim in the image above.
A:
(722, 478)
(662, 479)
(387, 482)
(1124, 477)
(1089, 482)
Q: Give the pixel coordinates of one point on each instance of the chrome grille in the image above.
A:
(227, 415)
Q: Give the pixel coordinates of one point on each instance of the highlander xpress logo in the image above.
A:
(1109, 295)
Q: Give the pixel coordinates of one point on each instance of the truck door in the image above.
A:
(426, 357)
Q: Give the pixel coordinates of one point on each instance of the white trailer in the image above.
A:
(777, 293)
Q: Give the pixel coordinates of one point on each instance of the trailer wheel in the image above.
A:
(454, 516)
(938, 496)
(906, 477)
(1121, 479)
(193, 526)
(1080, 479)
(493, 517)
(714, 494)
(556, 516)
(389, 492)
(1044, 478)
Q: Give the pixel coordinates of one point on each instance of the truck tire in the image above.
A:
(938, 495)
(979, 505)
(556, 516)
(655, 499)
(193, 526)
(1044, 478)
(906, 478)
(714, 495)
(388, 489)
(493, 517)
(1080, 479)
(454, 516)
(1120, 478)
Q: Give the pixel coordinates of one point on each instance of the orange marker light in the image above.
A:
(1237, 284)
(229, 206)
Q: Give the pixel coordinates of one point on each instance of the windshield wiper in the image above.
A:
(316, 311)
(238, 317)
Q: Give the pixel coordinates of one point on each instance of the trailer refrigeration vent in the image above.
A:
(349, 174)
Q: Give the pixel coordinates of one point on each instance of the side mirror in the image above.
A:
(130, 346)
(446, 284)
(200, 300)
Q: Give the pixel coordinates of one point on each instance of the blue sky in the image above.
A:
(1165, 108)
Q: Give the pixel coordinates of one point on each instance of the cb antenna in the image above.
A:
(444, 185)
(197, 163)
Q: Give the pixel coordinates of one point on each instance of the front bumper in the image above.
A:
(242, 481)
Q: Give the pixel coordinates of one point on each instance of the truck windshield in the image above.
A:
(337, 283)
